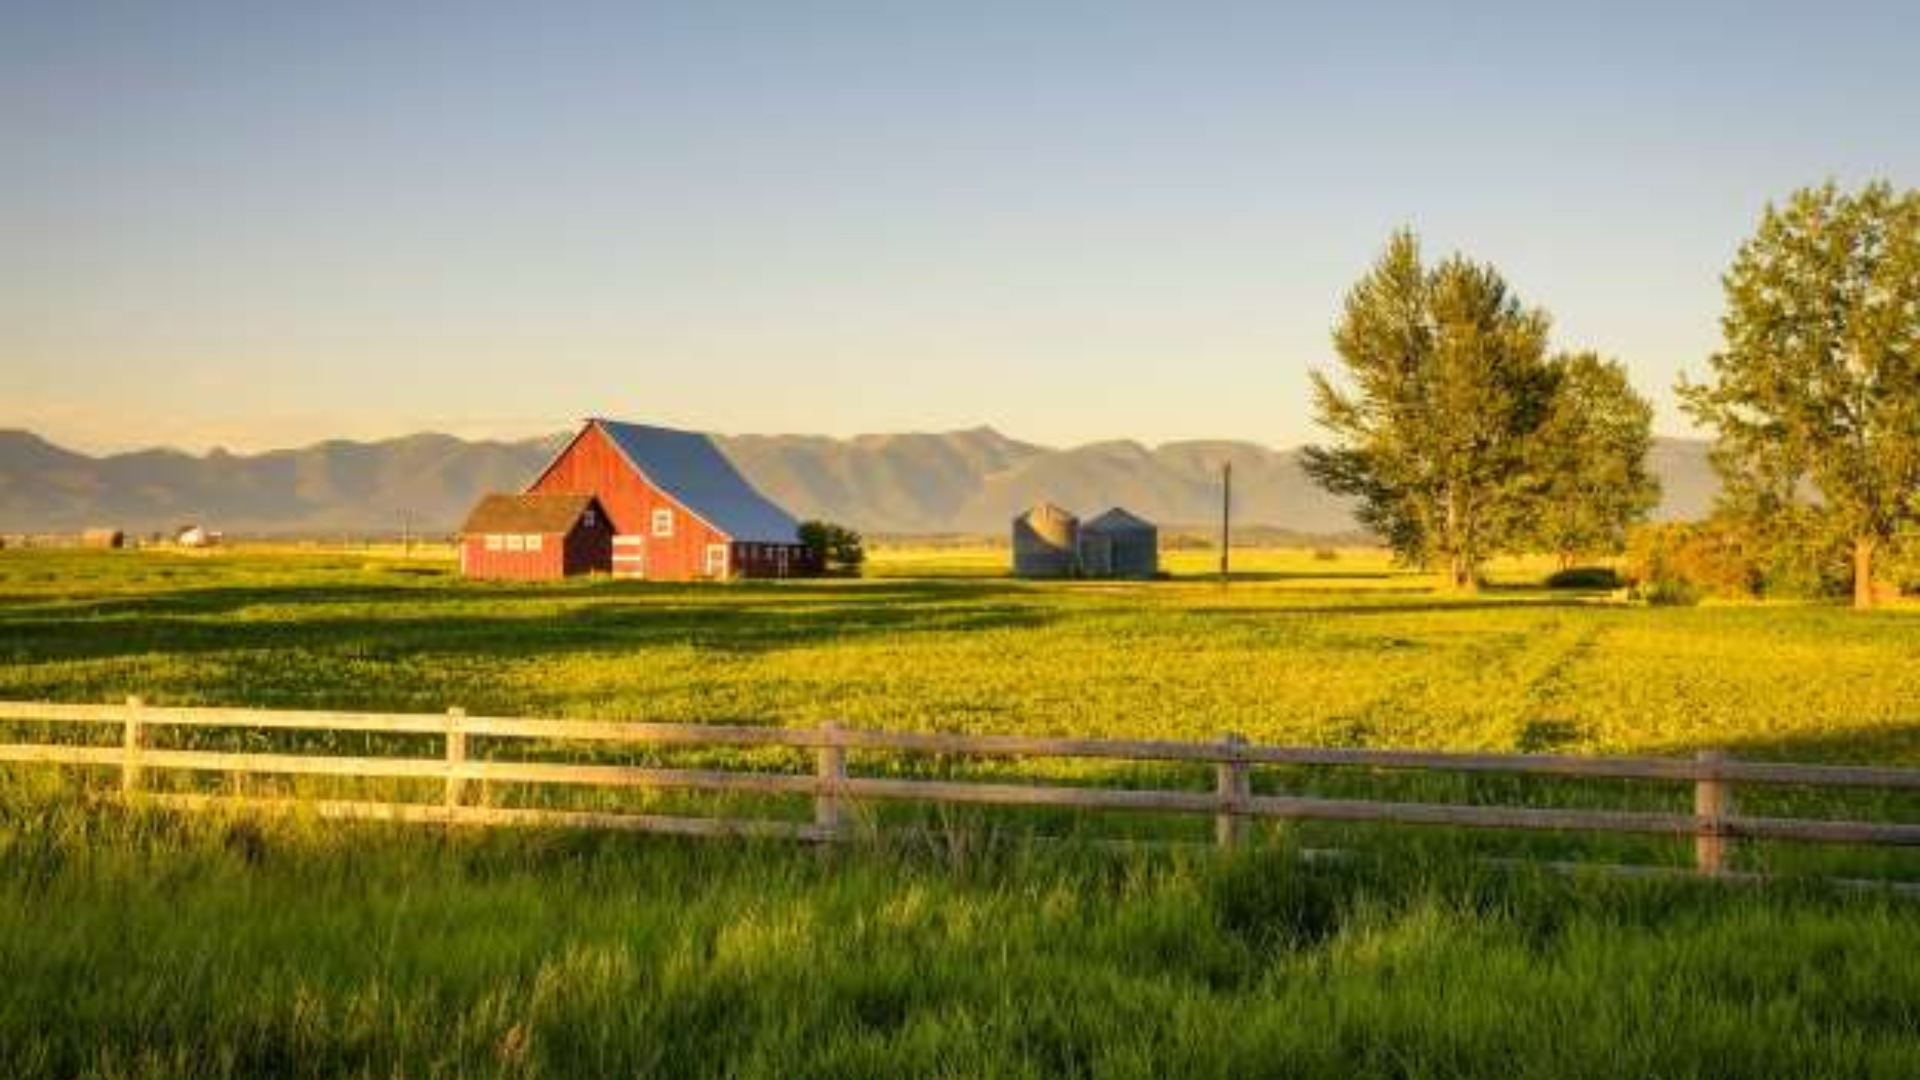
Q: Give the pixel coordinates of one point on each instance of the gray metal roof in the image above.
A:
(688, 466)
(1117, 520)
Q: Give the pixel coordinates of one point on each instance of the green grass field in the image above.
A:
(142, 945)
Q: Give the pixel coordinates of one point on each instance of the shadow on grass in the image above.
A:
(493, 622)
(1395, 604)
(1251, 576)
(1894, 743)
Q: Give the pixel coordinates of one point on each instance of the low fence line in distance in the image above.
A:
(1714, 825)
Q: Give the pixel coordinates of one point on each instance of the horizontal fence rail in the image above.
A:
(1714, 825)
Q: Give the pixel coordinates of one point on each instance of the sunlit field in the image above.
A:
(135, 943)
(1350, 652)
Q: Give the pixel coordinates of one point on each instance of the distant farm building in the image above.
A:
(1119, 544)
(1046, 542)
(678, 508)
(102, 538)
(1051, 542)
(195, 536)
(536, 538)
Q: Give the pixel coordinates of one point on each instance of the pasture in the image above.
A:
(141, 944)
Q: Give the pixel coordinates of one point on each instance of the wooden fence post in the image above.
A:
(132, 741)
(1712, 802)
(830, 770)
(456, 754)
(1233, 781)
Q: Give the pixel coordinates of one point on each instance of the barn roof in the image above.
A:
(527, 513)
(1118, 520)
(688, 466)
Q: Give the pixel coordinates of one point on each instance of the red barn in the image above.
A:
(535, 537)
(678, 507)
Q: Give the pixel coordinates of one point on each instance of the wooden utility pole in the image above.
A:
(1226, 518)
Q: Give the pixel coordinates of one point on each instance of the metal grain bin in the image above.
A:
(1118, 544)
(1045, 542)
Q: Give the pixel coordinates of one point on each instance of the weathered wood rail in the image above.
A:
(1714, 825)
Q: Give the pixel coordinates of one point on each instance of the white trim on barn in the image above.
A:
(629, 556)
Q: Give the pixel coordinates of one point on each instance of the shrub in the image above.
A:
(1900, 565)
(1668, 592)
(1788, 553)
(1681, 562)
(836, 549)
(1584, 577)
(1800, 554)
(1325, 554)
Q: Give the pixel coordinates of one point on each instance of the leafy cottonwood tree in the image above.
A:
(1445, 383)
(1590, 460)
(1819, 380)
(835, 549)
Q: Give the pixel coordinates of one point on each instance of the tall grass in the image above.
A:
(150, 946)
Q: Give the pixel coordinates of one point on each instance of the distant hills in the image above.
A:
(969, 481)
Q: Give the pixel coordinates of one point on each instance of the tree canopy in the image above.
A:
(1446, 379)
(1459, 435)
(1816, 393)
(1590, 459)
(834, 548)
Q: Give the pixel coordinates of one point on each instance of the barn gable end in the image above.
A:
(679, 509)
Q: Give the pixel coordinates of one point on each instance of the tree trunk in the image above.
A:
(1460, 573)
(1460, 568)
(1863, 573)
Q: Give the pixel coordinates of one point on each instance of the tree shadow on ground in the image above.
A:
(1257, 576)
(484, 623)
(1396, 606)
(1893, 743)
(227, 599)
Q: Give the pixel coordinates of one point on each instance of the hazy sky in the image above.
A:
(257, 224)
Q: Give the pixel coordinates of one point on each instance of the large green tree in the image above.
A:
(1590, 460)
(1817, 388)
(1445, 382)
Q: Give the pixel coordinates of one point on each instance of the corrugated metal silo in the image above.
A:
(1045, 542)
(1119, 544)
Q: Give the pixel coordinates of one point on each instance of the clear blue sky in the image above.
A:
(256, 224)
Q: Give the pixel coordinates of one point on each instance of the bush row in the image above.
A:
(1789, 557)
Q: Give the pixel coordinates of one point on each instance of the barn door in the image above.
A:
(630, 556)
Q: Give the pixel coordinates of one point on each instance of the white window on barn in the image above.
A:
(589, 518)
(494, 541)
(717, 560)
(513, 542)
(663, 523)
(533, 542)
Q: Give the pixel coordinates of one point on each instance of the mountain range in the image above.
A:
(968, 481)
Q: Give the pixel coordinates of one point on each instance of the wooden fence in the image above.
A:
(1714, 825)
